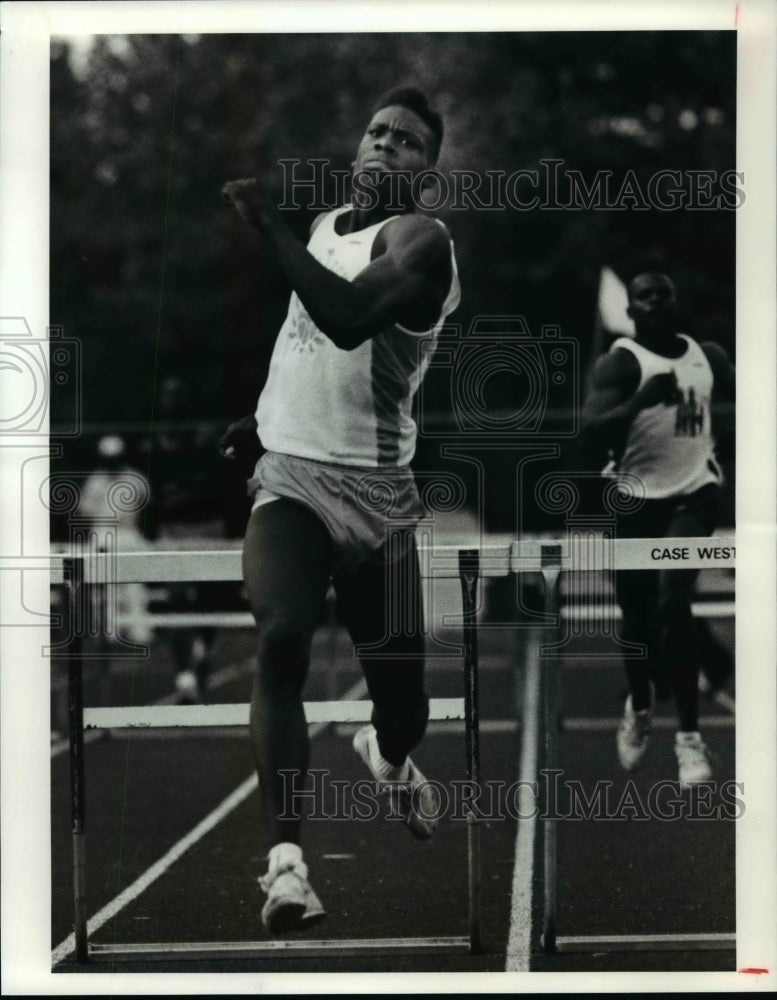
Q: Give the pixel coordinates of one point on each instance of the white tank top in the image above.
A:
(670, 448)
(345, 407)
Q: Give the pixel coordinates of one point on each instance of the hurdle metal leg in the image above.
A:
(469, 570)
(551, 571)
(74, 580)
(102, 596)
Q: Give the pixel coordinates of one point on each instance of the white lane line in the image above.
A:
(158, 868)
(232, 801)
(519, 939)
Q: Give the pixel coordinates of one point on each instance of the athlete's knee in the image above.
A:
(283, 651)
(674, 604)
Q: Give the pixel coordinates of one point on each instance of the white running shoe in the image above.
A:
(633, 735)
(291, 903)
(693, 759)
(411, 796)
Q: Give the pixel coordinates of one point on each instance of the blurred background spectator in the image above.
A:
(108, 519)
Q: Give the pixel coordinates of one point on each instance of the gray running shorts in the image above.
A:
(359, 506)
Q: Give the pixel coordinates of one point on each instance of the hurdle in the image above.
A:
(78, 572)
(605, 555)
(547, 557)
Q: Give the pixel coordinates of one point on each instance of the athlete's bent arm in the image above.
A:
(613, 400)
(406, 284)
(723, 391)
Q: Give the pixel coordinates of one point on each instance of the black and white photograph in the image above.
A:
(388, 462)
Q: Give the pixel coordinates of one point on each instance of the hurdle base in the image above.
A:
(644, 942)
(264, 949)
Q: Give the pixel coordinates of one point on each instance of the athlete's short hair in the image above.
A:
(649, 265)
(416, 101)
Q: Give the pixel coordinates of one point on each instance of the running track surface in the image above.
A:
(173, 852)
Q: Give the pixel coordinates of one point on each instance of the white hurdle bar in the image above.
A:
(526, 555)
(199, 716)
(78, 572)
(523, 555)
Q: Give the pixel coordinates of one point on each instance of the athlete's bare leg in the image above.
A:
(681, 640)
(286, 567)
(381, 605)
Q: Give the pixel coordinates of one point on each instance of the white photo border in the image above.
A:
(24, 199)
